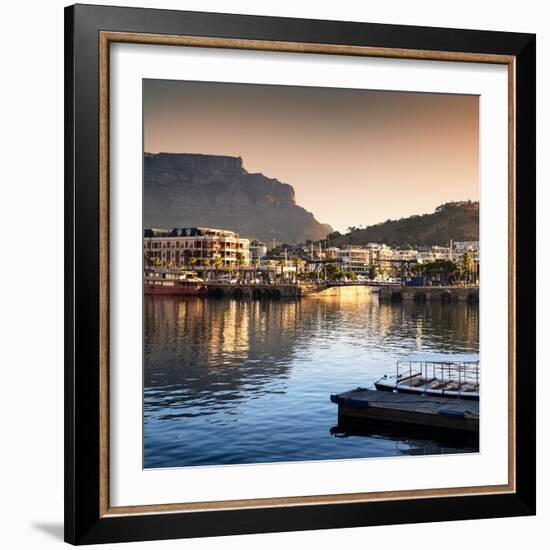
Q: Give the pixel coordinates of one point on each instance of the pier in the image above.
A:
(273, 291)
(402, 409)
(388, 293)
(441, 294)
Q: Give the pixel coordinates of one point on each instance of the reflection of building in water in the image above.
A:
(204, 353)
(204, 345)
(456, 325)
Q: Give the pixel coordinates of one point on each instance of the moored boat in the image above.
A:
(175, 282)
(435, 374)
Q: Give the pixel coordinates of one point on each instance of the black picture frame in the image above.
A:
(84, 523)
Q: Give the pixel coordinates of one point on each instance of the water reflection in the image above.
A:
(229, 381)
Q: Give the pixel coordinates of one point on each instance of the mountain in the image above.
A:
(453, 220)
(187, 190)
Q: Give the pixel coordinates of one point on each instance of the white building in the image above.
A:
(434, 253)
(258, 250)
(406, 255)
(352, 258)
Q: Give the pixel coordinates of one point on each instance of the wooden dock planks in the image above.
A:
(403, 409)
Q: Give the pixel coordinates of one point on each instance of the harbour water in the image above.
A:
(241, 381)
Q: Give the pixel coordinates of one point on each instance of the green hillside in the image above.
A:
(458, 221)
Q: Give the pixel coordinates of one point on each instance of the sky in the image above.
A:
(354, 157)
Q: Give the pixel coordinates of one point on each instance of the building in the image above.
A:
(352, 258)
(195, 246)
(258, 250)
(382, 256)
(407, 255)
(434, 253)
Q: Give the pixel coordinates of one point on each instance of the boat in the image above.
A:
(435, 374)
(171, 281)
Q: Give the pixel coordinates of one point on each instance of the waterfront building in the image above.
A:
(195, 246)
(382, 256)
(407, 255)
(352, 258)
(435, 253)
(258, 250)
(279, 268)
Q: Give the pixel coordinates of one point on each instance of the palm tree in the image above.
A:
(268, 263)
(156, 262)
(241, 262)
(187, 256)
(169, 264)
(206, 264)
(373, 272)
(218, 262)
(297, 263)
(468, 266)
(255, 263)
(230, 270)
(281, 264)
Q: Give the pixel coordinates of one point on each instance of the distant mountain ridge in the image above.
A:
(188, 189)
(453, 220)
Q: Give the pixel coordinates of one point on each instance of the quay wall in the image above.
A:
(442, 294)
(254, 291)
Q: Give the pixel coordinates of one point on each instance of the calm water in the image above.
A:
(235, 382)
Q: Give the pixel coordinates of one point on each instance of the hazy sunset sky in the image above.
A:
(354, 157)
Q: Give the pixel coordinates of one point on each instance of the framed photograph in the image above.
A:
(299, 274)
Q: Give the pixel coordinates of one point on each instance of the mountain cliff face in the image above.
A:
(185, 190)
(454, 220)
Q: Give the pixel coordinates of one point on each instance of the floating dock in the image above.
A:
(402, 409)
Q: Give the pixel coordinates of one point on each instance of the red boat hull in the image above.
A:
(176, 290)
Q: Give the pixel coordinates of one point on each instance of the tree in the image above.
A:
(468, 266)
(297, 263)
(333, 272)
(281, 264)
(187, 256)
(373, 272)
(255, 264)
(193, 261)
(241, 262)
(439, 265)
(218, 262)
(206, 264)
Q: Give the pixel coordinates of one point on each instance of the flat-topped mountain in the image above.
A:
(185, 189)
